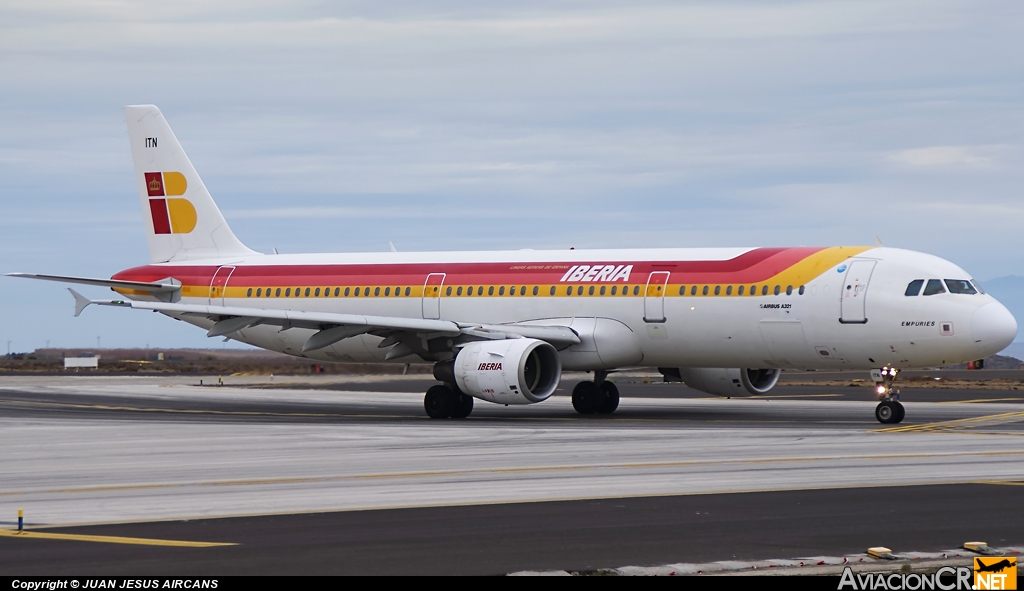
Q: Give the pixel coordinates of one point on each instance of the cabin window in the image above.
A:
(933, 287)
(536, 289)
(287, 292)
(693, 290)
(376, 291)
(407, 290)
(458, 291)
(636, 290)
(728, 290)
(490, 290)
(347, 291)
(718, 290)
(568, 290)
(316, 293)
(614, 288)
(591, 290)
(764, 290)
(777, 290)
(552, 290)
(387, 291)
(740, 290)
(327, 291)
(259, 291)
(358, 291)
(522, 290)
(704, 291)
(579, 290)
(602, 290)
(307, 292)
(961, 286)
(277, 293)
(447, 292)
(469, 290)
(801, 292)
(753, 290)
(789, 290)
(512, 291)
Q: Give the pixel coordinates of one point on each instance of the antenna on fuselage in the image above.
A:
(392, 245)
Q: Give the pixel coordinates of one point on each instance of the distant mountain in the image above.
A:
(1010, 291)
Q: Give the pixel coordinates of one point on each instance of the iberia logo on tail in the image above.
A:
(170, 216)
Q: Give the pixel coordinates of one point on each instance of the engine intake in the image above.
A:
(509, 371)
(725, 381)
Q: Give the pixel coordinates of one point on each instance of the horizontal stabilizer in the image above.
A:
(168, 286)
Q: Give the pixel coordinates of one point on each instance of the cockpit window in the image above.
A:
(960, 286)
(977, 286)
(915, 287)
(934, 286)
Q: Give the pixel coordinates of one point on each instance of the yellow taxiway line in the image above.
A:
(110, 539)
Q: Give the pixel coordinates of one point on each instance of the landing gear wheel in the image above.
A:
(463, 406)
(439, 402)
(586, 398)
(889, 412)
(611, 398)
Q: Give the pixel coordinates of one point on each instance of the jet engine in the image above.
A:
(509, 371)
(724, 381)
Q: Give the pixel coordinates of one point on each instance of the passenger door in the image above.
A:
(219, 285)
(855, 291)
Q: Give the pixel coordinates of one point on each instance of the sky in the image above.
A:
(341, 126)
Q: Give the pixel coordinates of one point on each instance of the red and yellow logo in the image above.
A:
(170, 216)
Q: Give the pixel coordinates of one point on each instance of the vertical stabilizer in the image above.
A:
(182, 220)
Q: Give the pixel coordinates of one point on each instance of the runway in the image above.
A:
(103, 450)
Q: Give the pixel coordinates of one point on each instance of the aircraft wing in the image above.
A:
(332, 327)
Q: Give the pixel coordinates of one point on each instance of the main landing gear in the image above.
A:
(889, 410)
(446, 402)
(599, 396)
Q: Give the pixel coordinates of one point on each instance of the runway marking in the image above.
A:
(196, 411)
(513, 470)
(1002, 483)
(764, 396)
(110, 539)
(515, 501)
(971, 423)
(977, 400)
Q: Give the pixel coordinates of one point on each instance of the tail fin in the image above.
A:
(182, 219)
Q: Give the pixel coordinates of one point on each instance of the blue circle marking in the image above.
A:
(841, 268)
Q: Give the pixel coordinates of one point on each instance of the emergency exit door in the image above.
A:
(654, 297)
(432, 295)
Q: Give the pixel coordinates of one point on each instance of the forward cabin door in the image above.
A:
(855, 291)
(219, 285)
(654, 297)
(432, 295)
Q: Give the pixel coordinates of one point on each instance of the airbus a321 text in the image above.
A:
(502, 326)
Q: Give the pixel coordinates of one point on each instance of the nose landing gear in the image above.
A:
(889, 410)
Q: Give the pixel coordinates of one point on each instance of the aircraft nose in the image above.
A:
(993, 328)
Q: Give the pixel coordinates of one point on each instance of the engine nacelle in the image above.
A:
(726, 381)
(509, 371)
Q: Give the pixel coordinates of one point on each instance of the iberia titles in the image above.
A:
(598, 273)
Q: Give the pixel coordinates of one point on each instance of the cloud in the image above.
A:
(944, 156)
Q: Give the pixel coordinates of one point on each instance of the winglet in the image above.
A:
(81, 302)
(878, 241)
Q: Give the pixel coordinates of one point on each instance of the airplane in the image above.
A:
(502, 326)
